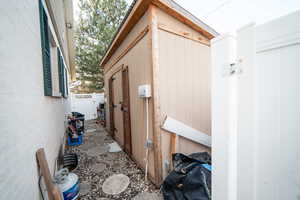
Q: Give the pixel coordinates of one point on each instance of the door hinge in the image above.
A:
(233, 68)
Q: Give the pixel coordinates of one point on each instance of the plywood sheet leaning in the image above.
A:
(181, 129)
(52, 190)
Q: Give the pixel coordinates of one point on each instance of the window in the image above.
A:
(61, 70)
(63, 75)
(54, 70)
(45, 43)
(66, 83)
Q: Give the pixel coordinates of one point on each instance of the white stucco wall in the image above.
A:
(28, 119)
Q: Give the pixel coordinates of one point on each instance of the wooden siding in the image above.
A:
(183, 83)
(109, 69)
(185, 88)
(138, 60)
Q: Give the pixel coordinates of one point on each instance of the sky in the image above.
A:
(227, 16)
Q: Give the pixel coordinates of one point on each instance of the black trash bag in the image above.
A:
(190, 178)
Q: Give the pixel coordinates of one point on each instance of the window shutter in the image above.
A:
(45, 51)
(61, 73)
(67, 83)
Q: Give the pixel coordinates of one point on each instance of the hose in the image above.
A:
(42, 194)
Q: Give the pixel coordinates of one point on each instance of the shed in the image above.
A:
(162, 45)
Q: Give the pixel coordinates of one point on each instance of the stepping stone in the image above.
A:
(115, 184)
(91, 130)
(96, 151)
(148, 196)
(98, 139)
(86, 147)
(111, 157)
(114, 147)
(91, 141)
(98, 167)
(85, 188)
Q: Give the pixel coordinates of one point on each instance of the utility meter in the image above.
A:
(144, 91)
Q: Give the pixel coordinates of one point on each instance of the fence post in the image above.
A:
(224, 110)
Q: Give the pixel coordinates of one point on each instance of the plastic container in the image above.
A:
(75, 141)
(79, 124)
(70, 161)
(68, 184)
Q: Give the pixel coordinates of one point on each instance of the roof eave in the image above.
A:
(137, 10)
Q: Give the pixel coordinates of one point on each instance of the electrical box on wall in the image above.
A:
(144, 91)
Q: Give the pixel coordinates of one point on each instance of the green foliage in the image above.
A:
(98, 21)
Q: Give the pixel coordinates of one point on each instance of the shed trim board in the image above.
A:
(138, 9)
(129, 47)
(186, 35)
(155, 93)
(178, 12)
(117, 70)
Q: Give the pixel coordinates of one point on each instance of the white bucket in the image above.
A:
(68, 184)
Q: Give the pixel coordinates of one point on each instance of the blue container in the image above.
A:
(75, 141)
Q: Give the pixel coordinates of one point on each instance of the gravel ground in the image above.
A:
(96, 164)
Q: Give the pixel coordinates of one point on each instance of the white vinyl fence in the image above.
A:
(256, 112)
(86, 104)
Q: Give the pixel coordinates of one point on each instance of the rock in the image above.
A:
(111, 157)
(87, 146)
(96, 151)
(99, 140)
(115, 184)
(91, 130)
(85, 188)
(148, 196)
(114, 147)
(98, 167)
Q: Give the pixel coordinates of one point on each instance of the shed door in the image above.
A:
(126, 111)
(117, 110)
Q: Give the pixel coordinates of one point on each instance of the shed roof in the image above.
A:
(137, 10)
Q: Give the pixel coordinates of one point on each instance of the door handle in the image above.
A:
(121, 103)
(124, 108)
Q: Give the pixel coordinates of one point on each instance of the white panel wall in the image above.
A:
(267, 96)
(277, 137)
(86, 104)
(28, 119)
